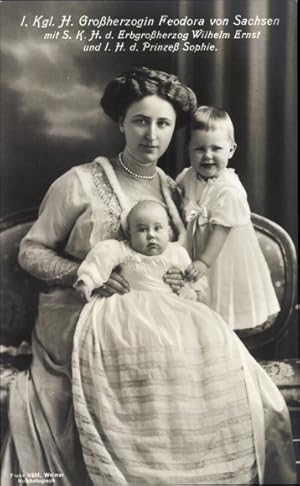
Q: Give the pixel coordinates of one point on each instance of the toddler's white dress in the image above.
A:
(241, 288)
(180, 397)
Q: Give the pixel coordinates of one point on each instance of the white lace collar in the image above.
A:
(136, 257)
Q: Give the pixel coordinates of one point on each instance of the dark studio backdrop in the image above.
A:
(50, 91)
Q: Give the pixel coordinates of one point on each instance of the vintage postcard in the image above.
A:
(97, 99)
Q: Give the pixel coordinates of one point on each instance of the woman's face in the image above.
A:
(148, 126)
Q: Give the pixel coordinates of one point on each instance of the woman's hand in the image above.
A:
(116, 284)
(174, 278)
(196, 270)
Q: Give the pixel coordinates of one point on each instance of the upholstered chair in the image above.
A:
(19, 300)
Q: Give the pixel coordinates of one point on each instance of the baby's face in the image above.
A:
(148, 230)
(209, 151)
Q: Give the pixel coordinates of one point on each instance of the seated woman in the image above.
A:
(80, 209)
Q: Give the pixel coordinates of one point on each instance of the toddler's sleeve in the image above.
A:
(230, 209)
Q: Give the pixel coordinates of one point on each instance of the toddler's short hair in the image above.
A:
(210, 118)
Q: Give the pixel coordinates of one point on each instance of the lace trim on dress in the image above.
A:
(48, 266)
(104, 191)
(113, 181)
(134, 258)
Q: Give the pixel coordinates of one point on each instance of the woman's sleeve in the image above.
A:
(96, 269)
(39, 251)
(230, 209)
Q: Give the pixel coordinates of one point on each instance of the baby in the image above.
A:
(147, 250)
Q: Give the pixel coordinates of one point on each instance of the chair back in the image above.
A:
(280, 253)
(19, 291)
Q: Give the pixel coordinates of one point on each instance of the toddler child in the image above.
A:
(220, 237)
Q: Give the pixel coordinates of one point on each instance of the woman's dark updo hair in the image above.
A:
(139, 82)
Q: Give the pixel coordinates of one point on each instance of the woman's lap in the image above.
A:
(41, 409)
(173, 408)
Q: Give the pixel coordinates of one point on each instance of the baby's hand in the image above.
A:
(196, 270)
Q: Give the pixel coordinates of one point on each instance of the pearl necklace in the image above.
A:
(134, 174)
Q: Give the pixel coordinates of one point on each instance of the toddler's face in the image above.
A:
(148, 230)
(209, 151)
